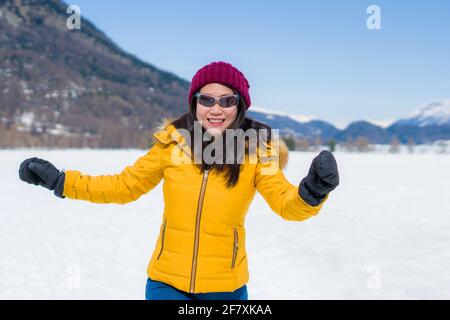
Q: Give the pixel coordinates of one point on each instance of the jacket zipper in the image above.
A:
(197, 229)
(235, 248)
(162, 238)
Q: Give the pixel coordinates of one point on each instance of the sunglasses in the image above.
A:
(209, 101)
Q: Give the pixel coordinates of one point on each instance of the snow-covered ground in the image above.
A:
(384, 233)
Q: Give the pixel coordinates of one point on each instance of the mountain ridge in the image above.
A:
(77, 82)
(427, 124)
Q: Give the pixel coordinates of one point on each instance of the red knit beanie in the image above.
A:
(223, 73)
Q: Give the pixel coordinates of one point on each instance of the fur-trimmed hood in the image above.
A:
(165, 133)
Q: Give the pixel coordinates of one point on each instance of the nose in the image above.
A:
(216, 109)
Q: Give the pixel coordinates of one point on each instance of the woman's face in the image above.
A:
(206, 116)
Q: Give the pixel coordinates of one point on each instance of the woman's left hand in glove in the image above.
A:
(322, 178)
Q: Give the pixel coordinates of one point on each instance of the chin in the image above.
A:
(214, 131)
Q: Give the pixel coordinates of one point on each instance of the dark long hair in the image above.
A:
(232, 170)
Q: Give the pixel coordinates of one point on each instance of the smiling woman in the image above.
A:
(200, 253)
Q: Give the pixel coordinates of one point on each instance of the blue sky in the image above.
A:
(313, 58)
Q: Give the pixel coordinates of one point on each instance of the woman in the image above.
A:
(201, 249)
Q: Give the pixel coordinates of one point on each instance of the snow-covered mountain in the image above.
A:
(60, 88)
(271, 114)
(436, 113)
(428, 123)
(297, 125)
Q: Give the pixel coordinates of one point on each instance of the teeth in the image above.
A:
(215, 121)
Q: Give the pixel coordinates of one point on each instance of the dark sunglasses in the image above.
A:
(209, 101)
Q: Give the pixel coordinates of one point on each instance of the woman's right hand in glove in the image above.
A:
(42, 173)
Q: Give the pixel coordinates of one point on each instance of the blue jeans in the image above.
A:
(156, 290)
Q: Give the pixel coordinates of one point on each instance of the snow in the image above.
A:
(382, 234)
(298, 118)
(433, 113)
(27, 119)
(381, 123)
(59, 130)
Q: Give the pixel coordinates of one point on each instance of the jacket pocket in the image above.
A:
(235, 247)
(163, 235)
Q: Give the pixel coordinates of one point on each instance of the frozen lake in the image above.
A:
(384, 233)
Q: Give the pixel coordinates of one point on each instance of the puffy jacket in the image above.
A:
(202, 241)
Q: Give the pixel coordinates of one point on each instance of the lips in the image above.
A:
(216, 122)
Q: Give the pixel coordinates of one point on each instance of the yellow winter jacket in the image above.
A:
(202, 241)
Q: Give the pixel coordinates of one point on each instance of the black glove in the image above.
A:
(42, 173)
(323, 177)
